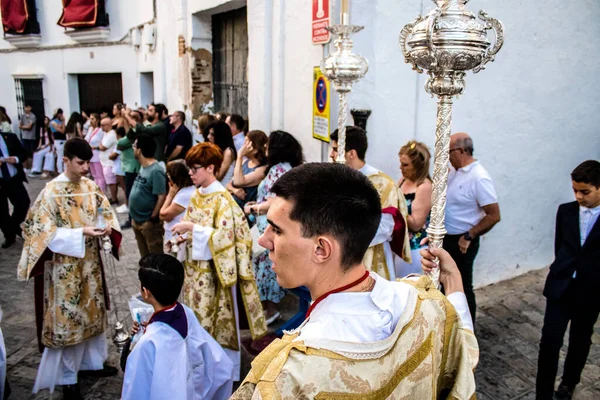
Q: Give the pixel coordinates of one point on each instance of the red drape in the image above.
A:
(14, 15)
(79, 13)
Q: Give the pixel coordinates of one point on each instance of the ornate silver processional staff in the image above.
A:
(448, 42)
(343, 68)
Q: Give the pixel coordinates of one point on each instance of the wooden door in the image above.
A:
(97, 91)
(230, 60)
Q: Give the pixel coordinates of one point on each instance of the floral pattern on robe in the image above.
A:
(74, 292)
(266, 279)
(428, 356)
(207, 285)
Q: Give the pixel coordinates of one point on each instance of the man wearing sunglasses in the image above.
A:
(471, 209)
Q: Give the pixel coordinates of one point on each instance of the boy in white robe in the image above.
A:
(63, 233)
(175, 357)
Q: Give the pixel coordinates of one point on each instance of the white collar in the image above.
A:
(346, 302)
(214, 187)
(594, 210)
(368, 170)
(469, 167)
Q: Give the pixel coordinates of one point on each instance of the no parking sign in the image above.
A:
(321, 100)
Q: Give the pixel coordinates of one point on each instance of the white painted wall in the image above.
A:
(532, 114)
(59, 66)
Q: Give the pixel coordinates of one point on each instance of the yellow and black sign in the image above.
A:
(321, 100)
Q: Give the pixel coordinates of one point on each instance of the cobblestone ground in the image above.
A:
(509, 323)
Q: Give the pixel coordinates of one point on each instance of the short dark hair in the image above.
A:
(356, 139)
(163, 276)
(78, 147)
(238, 120)
(222, 136)
(147, 145)
(160, 109)
(333, 199)
(283, 147)
(27, 105)
(587, 172)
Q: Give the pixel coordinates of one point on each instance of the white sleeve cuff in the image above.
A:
(69, 242)
(200, 249)
(384, 231)
(459, 301)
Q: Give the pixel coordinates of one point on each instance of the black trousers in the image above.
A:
(465, 266)
(15, 192)
(557, 316)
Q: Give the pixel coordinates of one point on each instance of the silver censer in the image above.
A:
(446, 43)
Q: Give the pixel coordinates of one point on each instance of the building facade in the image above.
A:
(532, 113)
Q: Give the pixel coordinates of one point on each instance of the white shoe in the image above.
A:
(122, 209)
(44, 176)
(33, 174)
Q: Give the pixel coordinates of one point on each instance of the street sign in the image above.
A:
(321, 100)
(320, 20)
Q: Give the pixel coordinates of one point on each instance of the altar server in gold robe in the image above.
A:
(364, 337)
(218, 264)
(379, 258)
(62, 253)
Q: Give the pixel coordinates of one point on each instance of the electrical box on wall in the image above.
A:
(149, 36)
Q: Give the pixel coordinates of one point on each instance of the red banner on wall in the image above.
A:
(14, 15)
(79, 13)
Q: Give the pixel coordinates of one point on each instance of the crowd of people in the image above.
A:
(225, 228)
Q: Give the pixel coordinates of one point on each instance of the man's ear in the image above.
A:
(323, 249)
(211, 169)
(351, 155)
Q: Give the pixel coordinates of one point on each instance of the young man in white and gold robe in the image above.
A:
(62, 253)
(218, 263)
(364, 337)
(379, 258)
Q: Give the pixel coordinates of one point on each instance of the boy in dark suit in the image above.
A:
(572, 287)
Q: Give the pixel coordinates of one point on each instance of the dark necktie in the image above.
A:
(4, 168)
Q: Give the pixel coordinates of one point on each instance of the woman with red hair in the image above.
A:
(219, 248)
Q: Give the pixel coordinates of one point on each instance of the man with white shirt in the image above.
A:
(379, 257)
(471, 209)
(236, 124)
(62, 253)
(571, 288)
(364, 336)
(106, 148)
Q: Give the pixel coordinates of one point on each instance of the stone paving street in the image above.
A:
(509, 323)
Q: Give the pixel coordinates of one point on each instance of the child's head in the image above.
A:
(162, 276)
(586, 183)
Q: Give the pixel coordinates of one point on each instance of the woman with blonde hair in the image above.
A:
(417, 187)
